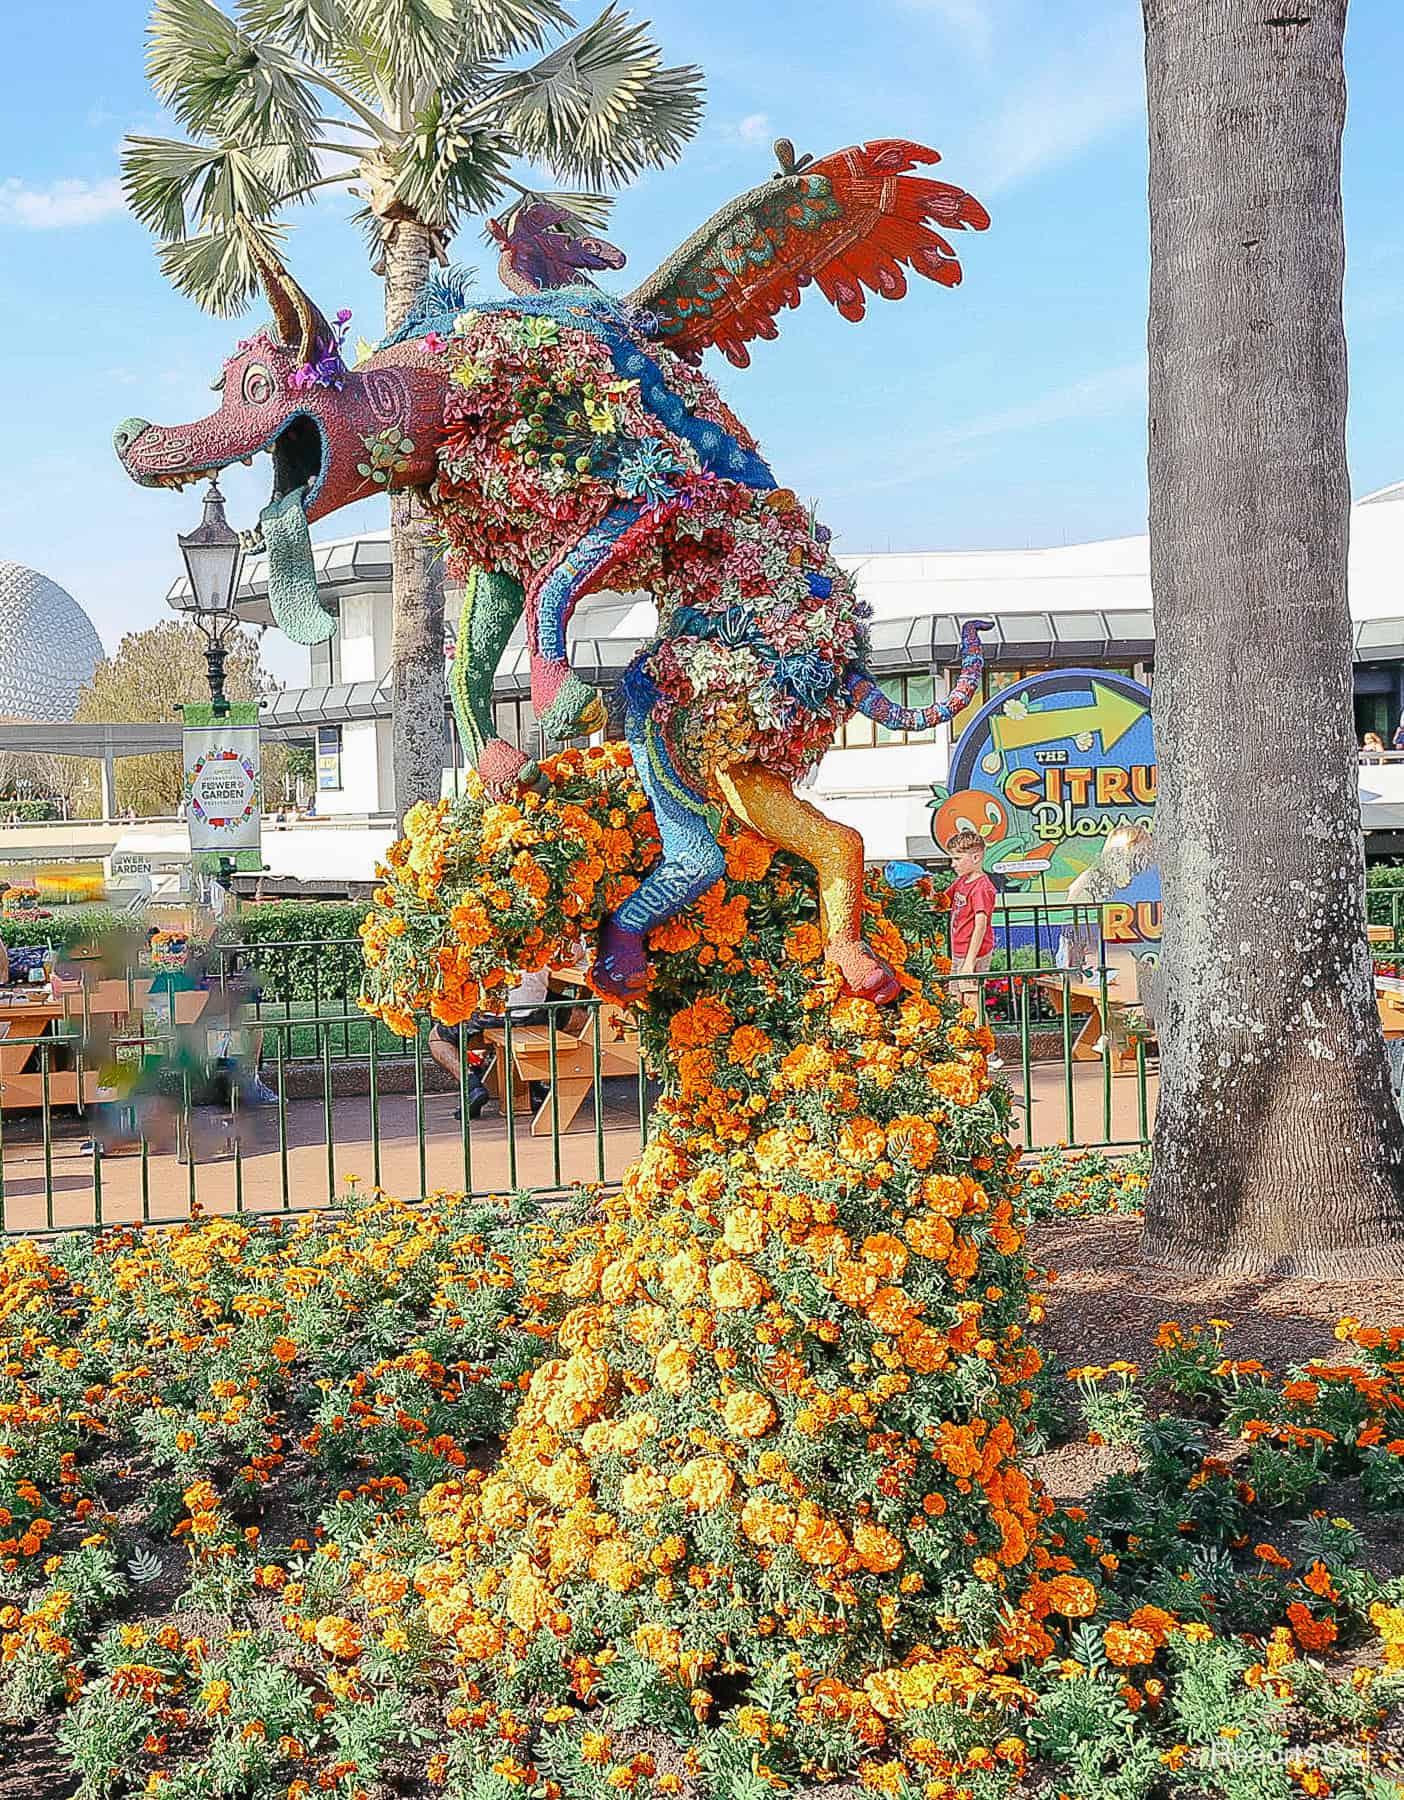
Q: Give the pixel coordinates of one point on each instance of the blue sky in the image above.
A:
(1009, 412)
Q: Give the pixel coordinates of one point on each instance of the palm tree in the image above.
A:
(1278, 1147)
(420, 108)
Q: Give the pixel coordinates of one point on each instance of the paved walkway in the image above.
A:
(304, 1171)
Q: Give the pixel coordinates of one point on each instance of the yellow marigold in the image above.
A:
(683, 1276)
(1126, 1645)
(884, 1254)
(214, 1697)
(530, 1603)
(956, 1082)
(765, 1522)
(702, 1023)
(503, 1504)
(748, 857)
(875, 1548)
(818, 1539)
(339, 1637)
(1071, 1595)
(565, 1480)
(646, 1324)
(660, 1643)
(1389, 1622)
(747, 1043)
(613, 1567)
(862, 1140)
(642, 1490)
(744, 1230)
(734, 1284)
(748, 1414)
(673, 1367)
(703, 1483)
(384, 1587)
(804, 944)
(913, 1140)
(929, 1235)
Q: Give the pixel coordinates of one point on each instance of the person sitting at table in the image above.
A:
(526, 1005)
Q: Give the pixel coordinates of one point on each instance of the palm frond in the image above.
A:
(360, 68)
(496, 28)
(409, 39)
(309, 27)
(220, 82)
(448, 164)
(600, 107)
(216, 268)
(167, 182)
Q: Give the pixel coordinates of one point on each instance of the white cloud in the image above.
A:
(1095, 396)
(1091, 85)
(753, 129)
(60, 204)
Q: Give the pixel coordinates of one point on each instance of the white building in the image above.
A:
(1085, 604)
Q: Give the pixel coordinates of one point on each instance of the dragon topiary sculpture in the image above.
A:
(566, 441)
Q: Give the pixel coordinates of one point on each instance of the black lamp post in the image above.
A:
(213, 554)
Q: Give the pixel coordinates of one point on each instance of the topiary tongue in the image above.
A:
(292, 574)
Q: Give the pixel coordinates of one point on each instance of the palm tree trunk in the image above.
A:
(1277, 1144)
(417, 589)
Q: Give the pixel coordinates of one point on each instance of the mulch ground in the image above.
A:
(1107, 1303)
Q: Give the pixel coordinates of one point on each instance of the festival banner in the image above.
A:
(1057, 774)
(223, 785)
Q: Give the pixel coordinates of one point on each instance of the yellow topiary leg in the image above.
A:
(769, 805)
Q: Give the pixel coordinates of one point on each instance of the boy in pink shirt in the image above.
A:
(972, 897)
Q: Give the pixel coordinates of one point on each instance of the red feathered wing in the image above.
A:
(855, 220)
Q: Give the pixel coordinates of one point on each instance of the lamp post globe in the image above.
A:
(213, 555)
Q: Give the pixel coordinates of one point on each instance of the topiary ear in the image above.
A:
(301, 325)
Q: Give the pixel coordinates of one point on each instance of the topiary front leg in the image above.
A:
(492, 604)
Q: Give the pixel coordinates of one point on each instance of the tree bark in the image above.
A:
(419, 728)
(1277, 1143)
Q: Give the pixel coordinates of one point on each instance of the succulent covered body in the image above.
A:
(574, 458)
(565, 441)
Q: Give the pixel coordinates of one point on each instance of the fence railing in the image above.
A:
(154, 1120)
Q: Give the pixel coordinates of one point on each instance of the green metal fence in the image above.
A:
(147, 1124)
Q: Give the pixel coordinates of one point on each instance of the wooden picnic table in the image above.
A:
(574, 1059)
(24, 1022)
(1083, 999)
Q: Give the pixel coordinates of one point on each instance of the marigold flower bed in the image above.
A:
(720, 1485)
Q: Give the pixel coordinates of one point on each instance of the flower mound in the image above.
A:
(774, 1441)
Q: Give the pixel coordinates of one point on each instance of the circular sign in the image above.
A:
(223, 790)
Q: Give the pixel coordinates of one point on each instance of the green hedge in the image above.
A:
(310, 949)
(1384, 896)
(67, 926)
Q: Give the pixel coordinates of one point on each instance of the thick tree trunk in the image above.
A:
(417, 588)
(1277, 1143)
